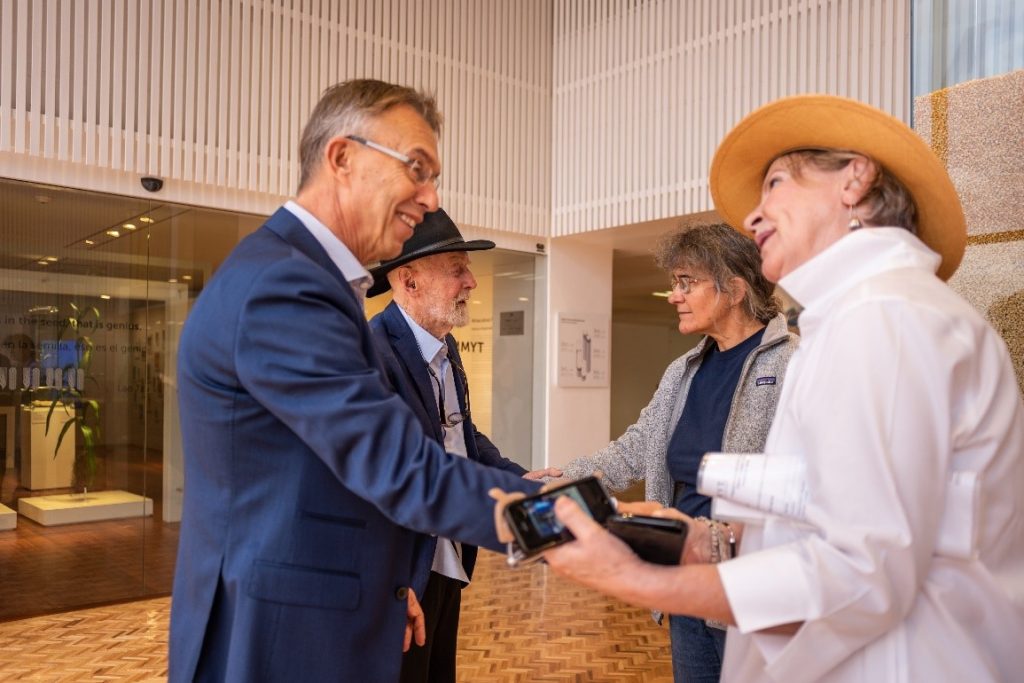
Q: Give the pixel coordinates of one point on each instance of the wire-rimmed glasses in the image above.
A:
(684, 283)
(418, 171)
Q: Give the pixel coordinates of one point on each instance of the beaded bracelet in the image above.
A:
(715, 539)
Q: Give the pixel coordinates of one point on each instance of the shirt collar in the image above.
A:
(854, 258)
(337, 251)
(428, 343)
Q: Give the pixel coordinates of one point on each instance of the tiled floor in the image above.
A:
(518, 625)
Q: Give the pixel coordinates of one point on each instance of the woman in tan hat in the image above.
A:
(900, 405)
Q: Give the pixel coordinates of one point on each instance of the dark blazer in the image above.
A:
(407, 372)
(306, 478)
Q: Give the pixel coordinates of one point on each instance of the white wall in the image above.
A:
(640, 354)
(644, 91)
(579, 281)
(212, 94)
(561, 117)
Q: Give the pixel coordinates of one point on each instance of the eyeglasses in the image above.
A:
(449, 420)
(418, 171)
(684, 283)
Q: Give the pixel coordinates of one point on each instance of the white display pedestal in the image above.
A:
(72, 508)
(8, 518)
(43, 470)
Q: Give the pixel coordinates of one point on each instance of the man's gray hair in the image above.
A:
(344, 109)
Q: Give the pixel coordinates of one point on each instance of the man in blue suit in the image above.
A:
(306, 477)
(431, 282)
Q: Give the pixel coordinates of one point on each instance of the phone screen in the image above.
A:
(533, 518)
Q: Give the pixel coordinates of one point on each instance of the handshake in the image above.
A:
(530, 525)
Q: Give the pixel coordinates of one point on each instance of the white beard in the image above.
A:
(449, 313)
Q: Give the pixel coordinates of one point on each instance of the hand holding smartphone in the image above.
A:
(533, 522)
(535, 527)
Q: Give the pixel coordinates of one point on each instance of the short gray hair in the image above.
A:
(344, 108)
(886, 203)
(722, 254)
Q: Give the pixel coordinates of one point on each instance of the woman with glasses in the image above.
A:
(721, 395)
(901, 406)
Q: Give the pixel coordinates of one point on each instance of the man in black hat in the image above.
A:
(431, 281)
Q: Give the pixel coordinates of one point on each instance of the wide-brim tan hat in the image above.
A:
(825, 121)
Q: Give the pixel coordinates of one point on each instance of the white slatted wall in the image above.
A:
(645, 89)
(213, 93)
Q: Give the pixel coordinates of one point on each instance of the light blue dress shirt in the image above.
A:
(448, 555)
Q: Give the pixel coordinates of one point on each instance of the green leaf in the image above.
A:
(94, 405)
(60, 439)
(49, 414)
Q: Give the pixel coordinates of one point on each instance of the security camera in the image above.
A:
(151, 184)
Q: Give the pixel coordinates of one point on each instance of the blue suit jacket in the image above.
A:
(407, 372)
(306, 478)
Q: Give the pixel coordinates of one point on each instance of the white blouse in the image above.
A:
(897, 385)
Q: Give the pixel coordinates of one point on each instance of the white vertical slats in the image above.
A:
(214, 92)
(206, 62)
(7, 52)
(675, 76)
(131, 78)
(50, 86)
(144, 77)
(166, 152)
(118, 77)
(35, 86)
(103, 122)
(21, 109)
(155, 39)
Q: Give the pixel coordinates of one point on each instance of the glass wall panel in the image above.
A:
(962, 40)
(93, 292)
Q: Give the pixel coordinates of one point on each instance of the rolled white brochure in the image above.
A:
(748, 487)
(775, 485)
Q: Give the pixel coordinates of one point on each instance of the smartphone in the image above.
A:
(654, 539)
(533, 520)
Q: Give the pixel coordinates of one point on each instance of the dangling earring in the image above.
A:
(854, 223)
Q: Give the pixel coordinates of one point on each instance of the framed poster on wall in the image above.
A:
(582, 351)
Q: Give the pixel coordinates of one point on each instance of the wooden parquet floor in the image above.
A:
(517, 625)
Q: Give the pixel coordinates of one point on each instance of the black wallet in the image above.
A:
(655, 539)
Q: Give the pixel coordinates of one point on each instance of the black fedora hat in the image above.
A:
(437, 234)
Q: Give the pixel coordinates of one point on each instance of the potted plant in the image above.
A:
(67, 394)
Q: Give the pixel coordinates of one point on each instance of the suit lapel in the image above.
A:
(408, 353)
(288, 227)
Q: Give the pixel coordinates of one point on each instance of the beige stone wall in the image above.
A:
(977, 129)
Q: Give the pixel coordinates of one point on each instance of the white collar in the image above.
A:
(338, 251)
(854, 258)
(428, 343)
